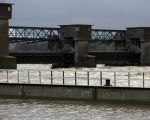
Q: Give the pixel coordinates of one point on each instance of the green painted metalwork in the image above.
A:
(42, 34)
(32, 34)
(101, 35)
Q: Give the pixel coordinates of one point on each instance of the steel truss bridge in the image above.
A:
(42, 34)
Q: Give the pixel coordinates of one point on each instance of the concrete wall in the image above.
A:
(43, 46)
(81, 35)
(6, 62)
(76, 92)
(145, 59)
(107, 47)
(124, 94)
(143, 34)
(5, 15)
(3, 37)
(46, 91)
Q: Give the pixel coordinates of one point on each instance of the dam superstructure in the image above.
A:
(57, 45)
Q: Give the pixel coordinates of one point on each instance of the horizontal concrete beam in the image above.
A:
(120, 94)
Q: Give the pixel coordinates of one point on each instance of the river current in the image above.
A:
(26, 109)
(15, 109)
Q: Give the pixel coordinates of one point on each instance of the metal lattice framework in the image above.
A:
(108, 35)
(42, 34)
(32, 34)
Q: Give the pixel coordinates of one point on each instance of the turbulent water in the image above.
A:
(132, 76)
(16, 109)
(98, 68)
(128, 76)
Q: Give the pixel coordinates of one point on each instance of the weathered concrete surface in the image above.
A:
(141, 95)
(140, 37)
(58, 92)
(5, 15)
(78, 36)
(6, 62)
(123, 94)
(14, 90)
(3, 37)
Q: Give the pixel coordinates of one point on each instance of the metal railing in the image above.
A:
(84, 78)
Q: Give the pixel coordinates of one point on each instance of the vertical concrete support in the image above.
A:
(6, 61)
(79, 36)
(3, 37)
(138, 40)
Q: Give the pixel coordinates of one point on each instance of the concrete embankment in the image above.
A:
(75, 92)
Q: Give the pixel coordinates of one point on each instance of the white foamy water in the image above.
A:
(128, 76)
(16, 109)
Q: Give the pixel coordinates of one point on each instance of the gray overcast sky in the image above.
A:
(103, 14)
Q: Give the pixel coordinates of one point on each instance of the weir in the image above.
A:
(88, 45)
(59, 86)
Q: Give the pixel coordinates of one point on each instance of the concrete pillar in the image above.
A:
(6, 61)
(78, 35)
(138, 40)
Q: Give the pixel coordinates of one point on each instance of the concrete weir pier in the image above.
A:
(78, 37)
(6, 61)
